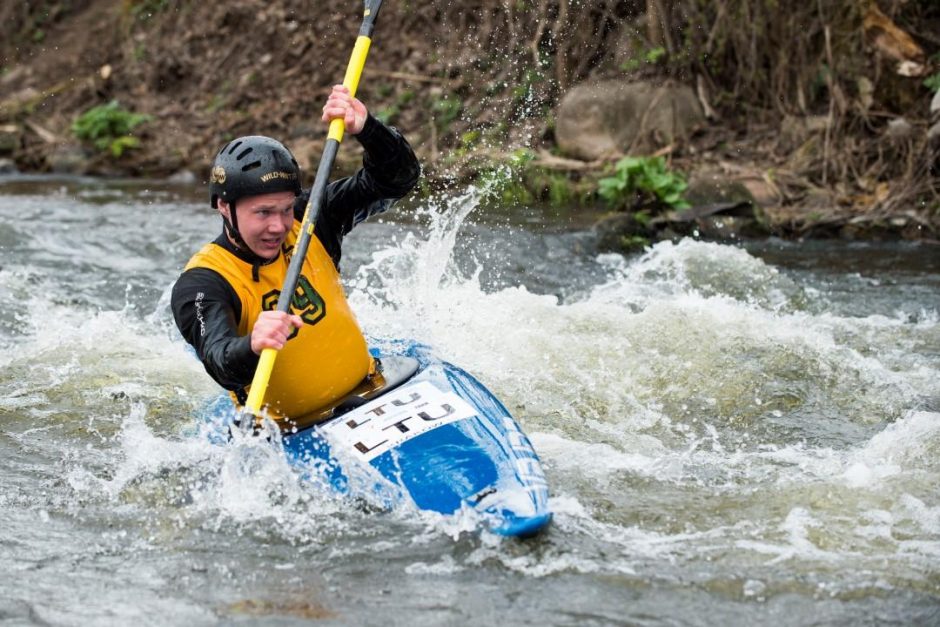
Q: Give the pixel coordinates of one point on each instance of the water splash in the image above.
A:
(697, 368)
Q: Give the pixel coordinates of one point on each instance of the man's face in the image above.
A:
(263, 221)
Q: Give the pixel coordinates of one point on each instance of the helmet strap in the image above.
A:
(231, 227)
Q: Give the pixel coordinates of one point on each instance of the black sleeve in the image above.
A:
(390, 170)
(206, 310)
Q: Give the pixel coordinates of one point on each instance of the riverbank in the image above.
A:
(483, 100)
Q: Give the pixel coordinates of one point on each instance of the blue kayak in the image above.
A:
(427, 431)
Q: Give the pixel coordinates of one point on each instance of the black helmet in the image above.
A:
(252, 165)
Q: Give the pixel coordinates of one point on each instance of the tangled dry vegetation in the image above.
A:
(808, 91)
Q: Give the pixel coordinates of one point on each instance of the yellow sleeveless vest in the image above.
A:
(327, 357)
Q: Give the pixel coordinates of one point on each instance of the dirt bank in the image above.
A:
(471, 85)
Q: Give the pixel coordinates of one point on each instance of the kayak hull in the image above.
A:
(440, 440)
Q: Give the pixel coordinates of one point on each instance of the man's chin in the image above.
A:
(267, 252)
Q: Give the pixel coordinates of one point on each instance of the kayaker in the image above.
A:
(224, 301)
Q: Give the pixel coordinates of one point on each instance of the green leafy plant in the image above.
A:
(502, 182)
(640, 182)
(655, 54)
(631, 243)
(933, 82)
(108, 128)
(650, 57)
(521, 157)
(559, 189)
(446, 110)
(388, 114)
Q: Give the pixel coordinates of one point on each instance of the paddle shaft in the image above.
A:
(357, 61)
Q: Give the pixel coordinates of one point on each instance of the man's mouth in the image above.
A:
(270, 244)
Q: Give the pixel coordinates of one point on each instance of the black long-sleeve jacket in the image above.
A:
(205, 306)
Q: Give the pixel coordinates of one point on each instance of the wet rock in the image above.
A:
(764, 193)
(7, 166)
(711, 187)
(723, 221)
(723, 209)
(622, 233)
(719, 221)
(726, 228)
(905, 225)
(68, 159)
(611, 117)
(185, 177)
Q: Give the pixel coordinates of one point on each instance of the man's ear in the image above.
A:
(224, 209)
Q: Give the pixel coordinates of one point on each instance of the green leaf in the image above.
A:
(647, 177)
(108, 127)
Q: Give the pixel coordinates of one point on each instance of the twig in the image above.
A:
(407, 76)
(46, 135)
(539, 31)
(645, 118)
(831, 118)
(549, 161)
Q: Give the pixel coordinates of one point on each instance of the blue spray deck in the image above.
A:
(440, 439)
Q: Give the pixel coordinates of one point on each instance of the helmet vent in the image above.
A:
(234, 147)
(243, 153)
(251, 166)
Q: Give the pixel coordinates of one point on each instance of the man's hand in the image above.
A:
(341, 105)
(272, 329)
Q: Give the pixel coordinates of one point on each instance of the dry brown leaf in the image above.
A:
(891, 40)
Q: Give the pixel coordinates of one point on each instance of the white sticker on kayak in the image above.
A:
(395, 417)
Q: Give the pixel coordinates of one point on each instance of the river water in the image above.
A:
(731, 434)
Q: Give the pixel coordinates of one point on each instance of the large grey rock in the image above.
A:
(611, 117)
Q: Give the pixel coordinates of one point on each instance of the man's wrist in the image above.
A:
(368, 127)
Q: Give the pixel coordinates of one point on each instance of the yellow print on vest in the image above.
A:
(306, 303)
